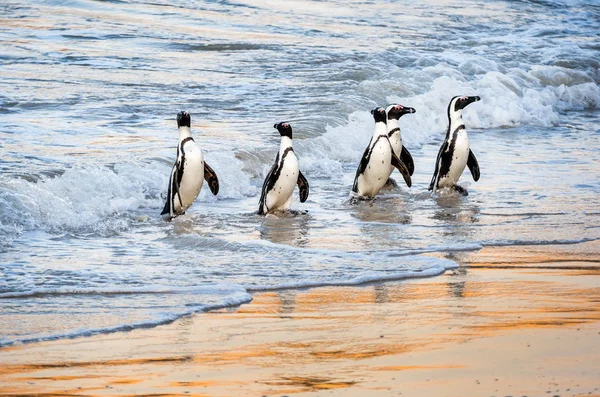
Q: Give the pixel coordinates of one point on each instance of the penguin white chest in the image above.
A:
(458, 161)
(279, 197)
(377, 170)
(396, 144)
(192, 177)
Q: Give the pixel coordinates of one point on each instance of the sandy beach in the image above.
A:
(518, 321)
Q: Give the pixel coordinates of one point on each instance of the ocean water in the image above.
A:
(89, 91)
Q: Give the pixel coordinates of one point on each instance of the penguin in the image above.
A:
(394, 112)
(188, 173)
(374, 167)
(455, 152)
(285, 174)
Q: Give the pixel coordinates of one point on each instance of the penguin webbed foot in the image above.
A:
(356, 198)
(449, 191)
(284, 213)
(461, 190)
(297, 212)
(390, 184)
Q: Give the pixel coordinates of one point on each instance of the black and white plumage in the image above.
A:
(285, 174)
(188, 173)
(394, 112)
(374, 167)
(455, 152)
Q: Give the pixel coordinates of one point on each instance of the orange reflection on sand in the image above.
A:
(13, 369)
(309, 383)
(417, 367)
(126, 381)
(235, 356)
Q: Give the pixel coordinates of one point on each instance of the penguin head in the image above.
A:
(184, 119)
(460, 102)
(284, 128)
(394, 112)
(379, 115)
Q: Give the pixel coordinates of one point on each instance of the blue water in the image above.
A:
(89, 91)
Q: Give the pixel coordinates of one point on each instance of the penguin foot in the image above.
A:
(355, 199)
(285, 213)
(461, 190)
(390, 184)
(297, 212)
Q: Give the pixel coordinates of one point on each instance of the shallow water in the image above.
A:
(88, 96)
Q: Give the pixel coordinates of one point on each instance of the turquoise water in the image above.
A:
(89, 91)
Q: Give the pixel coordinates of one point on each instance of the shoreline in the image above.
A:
(511, 320)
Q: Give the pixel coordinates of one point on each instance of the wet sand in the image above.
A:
(511, 321)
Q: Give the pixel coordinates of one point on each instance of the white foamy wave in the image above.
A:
(556, 76)
(219, 289)
(508, 99)
(82, 197)
(234, 183)
(103, 199)
(325, 155)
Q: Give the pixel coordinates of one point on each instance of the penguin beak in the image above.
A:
(467, 101)
(402, 110)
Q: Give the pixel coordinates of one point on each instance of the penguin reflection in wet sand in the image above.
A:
(188, 173)
(394, 112)
(374, 167)
(455, 153)
(279, 184)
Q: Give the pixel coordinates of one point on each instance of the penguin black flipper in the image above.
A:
(210, 176)
(302, 186)
(437, 165)
(396, 162)
(364, 161)
(178, 177)
(174, 183)
(167, 209)
(267, 185)
(473, 166)
(407, 160)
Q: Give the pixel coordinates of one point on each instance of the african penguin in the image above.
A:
(374, 167)
(455, 153)
(188, 173)
(394, 112)
(279, 184)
